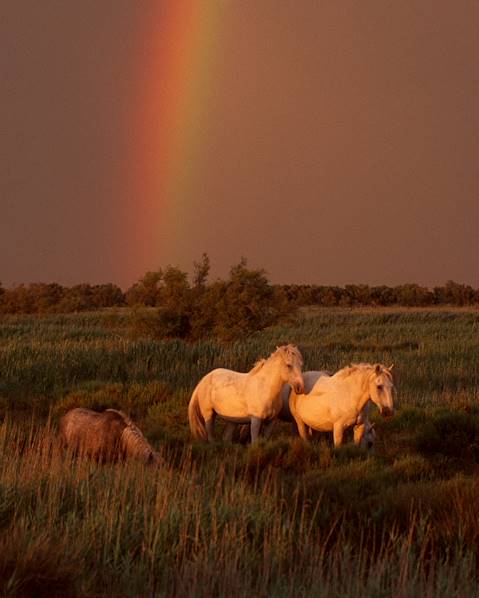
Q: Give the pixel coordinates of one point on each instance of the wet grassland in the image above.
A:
(281, 518)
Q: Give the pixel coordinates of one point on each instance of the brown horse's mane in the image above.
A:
(133, 439)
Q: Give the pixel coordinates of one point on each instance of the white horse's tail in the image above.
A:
(197, 423)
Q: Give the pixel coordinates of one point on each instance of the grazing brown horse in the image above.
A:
(109, 435)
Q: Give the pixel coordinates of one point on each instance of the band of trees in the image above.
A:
(244, 302)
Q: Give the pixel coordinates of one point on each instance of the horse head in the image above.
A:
(292, 364)
(381, 389)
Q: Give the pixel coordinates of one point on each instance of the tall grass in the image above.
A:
(213, 522)
(434, 352)
(278, 519)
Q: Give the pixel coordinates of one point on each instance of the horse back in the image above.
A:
(224, 391)
(96, 434)
(310, 378)
(221, 382)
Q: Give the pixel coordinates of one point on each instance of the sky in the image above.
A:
(328, 142)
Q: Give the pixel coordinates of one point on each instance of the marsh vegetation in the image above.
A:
(280, 518)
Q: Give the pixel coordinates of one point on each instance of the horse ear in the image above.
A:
(378, 368)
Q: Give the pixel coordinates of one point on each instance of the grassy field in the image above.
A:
(278, 519)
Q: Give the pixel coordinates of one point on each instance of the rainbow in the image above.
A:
(181, 61)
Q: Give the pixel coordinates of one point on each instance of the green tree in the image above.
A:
(247, 304)
(201, 271)
(174, 290)
(107, 295)
(146, 290)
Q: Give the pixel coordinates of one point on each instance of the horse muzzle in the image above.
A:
(387, 412)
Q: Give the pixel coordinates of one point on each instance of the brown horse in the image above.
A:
(109, 435)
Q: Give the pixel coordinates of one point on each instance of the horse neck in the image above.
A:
(359, 389)
(271, 372)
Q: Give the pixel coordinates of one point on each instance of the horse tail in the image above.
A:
(196, 420)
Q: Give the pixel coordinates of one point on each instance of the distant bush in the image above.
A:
(39, 298)
(410, 295)
(232, 308)
(243, 304)
(160, 323)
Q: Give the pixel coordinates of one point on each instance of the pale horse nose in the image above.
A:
(387, 412)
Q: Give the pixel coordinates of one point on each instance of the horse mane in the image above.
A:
(286, 351)
(136, 445)
(257, 366)
(289, 351)
(123, 416)
(134, 442)
(361, 367)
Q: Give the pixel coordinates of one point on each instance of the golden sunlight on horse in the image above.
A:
(338, 402)
(252, 397)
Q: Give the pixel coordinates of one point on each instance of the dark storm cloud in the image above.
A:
(342, 142)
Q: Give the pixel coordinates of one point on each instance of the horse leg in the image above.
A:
(210, 429)
(359, 430)
(268, 429)
(338, 432)
(294, 428)
(256, 423)
(302, 430)
(229, 431)
(245, 433)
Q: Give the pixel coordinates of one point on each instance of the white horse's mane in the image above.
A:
(287, 352)
(362, 367)
(257, 366)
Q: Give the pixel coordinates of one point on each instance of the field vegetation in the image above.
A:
(196, 307)
(281, 518)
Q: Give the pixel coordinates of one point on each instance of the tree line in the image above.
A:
(245, 302)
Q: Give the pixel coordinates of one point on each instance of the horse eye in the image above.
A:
(380, 386)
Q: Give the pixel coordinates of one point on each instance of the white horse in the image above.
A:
(284, 413)
(252, 397)
(340, 401)
(310, 378)
(366, 440)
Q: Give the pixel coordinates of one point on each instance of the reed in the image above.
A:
(277, 519)
(214, 522)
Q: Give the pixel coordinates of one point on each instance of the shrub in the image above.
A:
(450, 434)
(247, 305)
